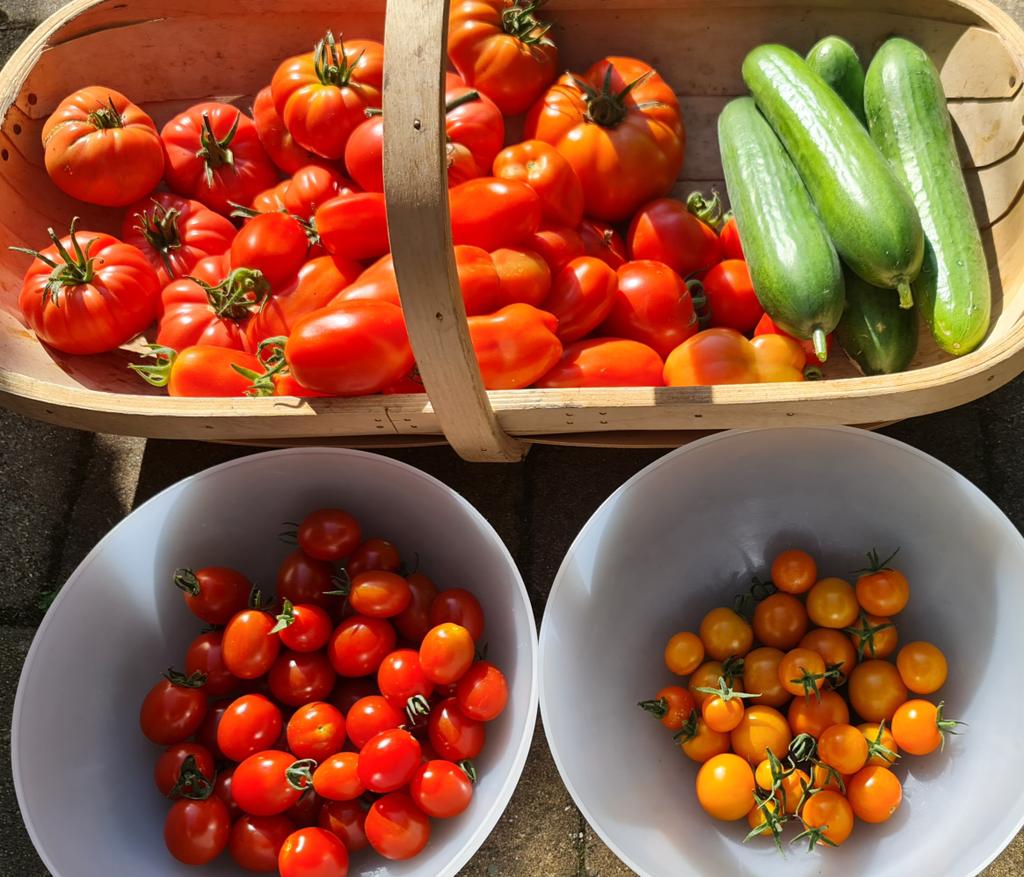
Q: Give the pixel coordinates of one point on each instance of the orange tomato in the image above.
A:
(919, 727)
(756, 817)
(725, 787)
(791, 791)
(684, 653)
(802, 672)
(672, 706)
(780, 621)
(834, 646)
(844, 748)
(828, 817)
(810, 716)
(882, 591)
(707, 676)
(882, 748)
(876, 690)
(794, 571)
(832, 603)
(762, 728)
(874, 636)
(724, 634)
(705, 743)
(825, 777)
(761, 676)
(714, 356)
(874, 794)
(723, 709)
(779, 358)
(922, 667)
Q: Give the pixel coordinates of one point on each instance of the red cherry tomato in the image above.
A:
(302, 579)
(359, 644)
(196, 832)
(401, 677)
(329, 534)
(260, 785)
(303, 628)
(441, 789)
(414, 621)
(256, 841)
(296, 678)
(396, 828)
(482, 693)
(581, 297)
(459, 607)
(250, 724)
(373, 554)
(173, 709)
(665, 231)
(446, 653)
(338, 779)
(369, 716)
(313, 852)
(346, 819)
(222, 789)
(379, 594)
(389, 761)
(732, 301)
(214, 594)
(206, 655)
(653, 306)
(454, 736)
(305, 811)
(250, 648)
(169, 775)
(316, 730)
(207, 733)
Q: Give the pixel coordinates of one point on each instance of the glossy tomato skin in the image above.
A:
(761, 676)
(379, 594)
(780, 621)
(364, 154)
(337, 777)
(458, 606)
(373, 554)
(401, 677)
(316, 730)
(250, 648)
(346, 819)
(322, 111)
(762, 728)
(714, 356)
(582, 297)
(370, 716)
(239, 169)
(606, 362)
(725, 787)
(523, 276)
(117, 303)
(491, 213)
(329, 534)
(396, 828)
(627, 154)
(172, 711)
(297, 678)
(207, 733)
(652, 305)
(206, 655)
(665, 231)
(312, 186)
(732, 302)
(313, 852)
(482, 693)
(275, 244)
(810, 715)
(169, 765)
(207, 371)
(453, 736)
(766, 326)
(276, 138)
(446, 653)
(515, 346)
(603, 241)
(214, 594)
(101, 148)
(196, 832)
(256, 840)
(354, 226)
(304, 579)
(309, 628)
(511, 72)
(359, 645)
(441, 789)
(545, 170)
(354, 348)
(558, 246)
(389, 760)
(260, 785)
(305, 811)
(250, 724)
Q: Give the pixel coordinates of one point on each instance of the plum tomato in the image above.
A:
(459, 607)
(359, 644)
(173, 709)
(396, 828)
(482, 693)
(250, 724)
(316, 730)
(446, 653)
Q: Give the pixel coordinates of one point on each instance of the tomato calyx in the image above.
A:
(191, 782)
(707, 210)
(193, 680)
(726, 692)
(606, 107)
(216, 153)
(744, 604)
(469, 769)
(236, 296)
(330, 67)
(158, 375)
(343, 582)
(689, 730)
(520, 21)
(300, 774)
(700, 302)
(945, 726)
(778, 771)
(803, 747)
(831, 776)
(73, 270)
(106, 117)
(732, 669)
(657, 707)
(417, 710)
(876, 749)
(865, 633)
(273, 365)
(876, 565)
(286, 619)
(159, 227)
(815, 836)
(773, 821)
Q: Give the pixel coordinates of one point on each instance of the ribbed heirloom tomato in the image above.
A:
(545, 170)
(277, 139)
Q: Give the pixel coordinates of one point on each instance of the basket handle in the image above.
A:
(416, 192)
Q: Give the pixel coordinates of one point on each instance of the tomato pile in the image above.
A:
(345, 716)
(254, 255)
(817, 648)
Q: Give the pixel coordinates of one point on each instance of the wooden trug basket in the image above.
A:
(200, 49)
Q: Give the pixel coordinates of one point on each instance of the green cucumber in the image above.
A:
(837, 62)
(867, 212)
(793, 264)
(876, 333)
(909, 121)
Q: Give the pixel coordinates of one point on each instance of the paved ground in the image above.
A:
(61, 490)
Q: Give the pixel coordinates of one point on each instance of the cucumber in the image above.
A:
(867, 212)
(876, 333)
(909, 121)
(793, 264)
(837, 62)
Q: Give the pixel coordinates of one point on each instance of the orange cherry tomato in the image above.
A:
(922, 667)
(919, 727)
(714, 356)
(704, 744)
(807, 715)
(883, 591)
(834, 646)
(882, 748)
(832, 603)
(780, 621)
(825, 777)
(515, 346)
(724, 634)
(794, 571)
(725, 787)
(791, 791)
(756, 817)
(707, 676)
(672, 706)
(874, 636)
(545, 170)
(684, 653)
(876, 691)
(762, 728)
(722, 713)
(827, 815)
(874, 794)
(802, 672)
(844, 748)
(761, 676)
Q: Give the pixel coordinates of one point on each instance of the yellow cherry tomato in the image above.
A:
(882, 748)
(725, 787)
(722, 715)
(761, 676)
(834, 646)
(684, 653)
(827, 815)
(844, 748)
(922, 667)
(802, 672)
(707, 676)
(724, 633)
(808, 715)
(832, 603)
(794, 572)
(882, 590)
(920, 728)
(704, 743)
(791, 791)
(876, 691)
(757, 819)
(825, 777)
(780, 621)
(762, 728)
(874, 794)
(873, 636)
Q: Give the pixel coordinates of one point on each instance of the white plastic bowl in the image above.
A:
(687, 533)
(83, 771)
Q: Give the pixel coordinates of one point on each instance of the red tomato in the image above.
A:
(523, 275)
(502, 50)
(458, 606)
(329, 534)
(196, 832)
(767, 327)
(250, 648)
(653, 306)
(558, 246)
(303, 579)
(214, 155)
(400, 677)
(303, 628)
(88, 293)
(353, 348)
(581, 297)
(665, 231)
(312, 186)
(491, 213)
(296, 678)
(346, 820)
(729, 240)
(305, 811)
(354, 226)
(261, 785)
(620, 128)
(250, 724)
(714, 356)
(369, 716)
(605, 362)
(202, 371)
(316, 730)
(515, 346)
(206, 655)
(414, 622)
(270, 200)
(175, 233)
(482, 693)
(364, 154)
(323, 95)
(453, 735)
(313, 852)
(389, 760)
(549, 174)
(276, 139)
(379, 594)
(275, 244)
(359, 645)
(373, 554)
(214, 593)
(178, 766)
(337, 778)
(446, 653)
(441, 789)
(732, 301)
(256, 841)
(173, 709)
(101, 148)
(207, 733)
(603, 242)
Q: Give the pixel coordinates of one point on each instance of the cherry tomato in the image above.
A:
(250, 724)
(173, 709)
(304, 812)
(453, 735)
(446, 653)
(329, 534)
(313, 852)
(316, 730)
(832, 603)
(303, 579)
(802, 672)
(581, 297)
(168, 774)
(214, 594)
(196, 832)
(825, 777)
(707, 676)
(725, 787)
(918, 727)
(834, 646)
(396, 828)
(672, 706)
(359, 645)
(844, 748)
(809, 715)
(882, 748)
(346, 819)
(441, 789)
(722, 714)
(729, 240)
(756, 817)
(704, 744)
(414, 621)
(876, 691)
(791, 791)
(349, 691)
(482, 693)
(206, 656)
(296, 678)
(207, 733)
(373, 554)
(794, 571)
(460, 607)
(523, 277)
(260, 785)
(761, 676)
(370, 716)
(732, 301)
(922, 667)
(874, 794)
(256, 841)
(558, 246)
(874, 636)
(883, 592)
(829, 814)
(337, 778)
(605, 362)
(666, 231)
(379, 594)
(275, 244)
(250, 648)
(388, 761)
(546, 171)
(303, 628)
(780, 621)
(724, 634)
(491, 213)
(762, 728)
(401, 677)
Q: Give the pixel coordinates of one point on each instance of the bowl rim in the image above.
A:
(546, 645)
(483, 827)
